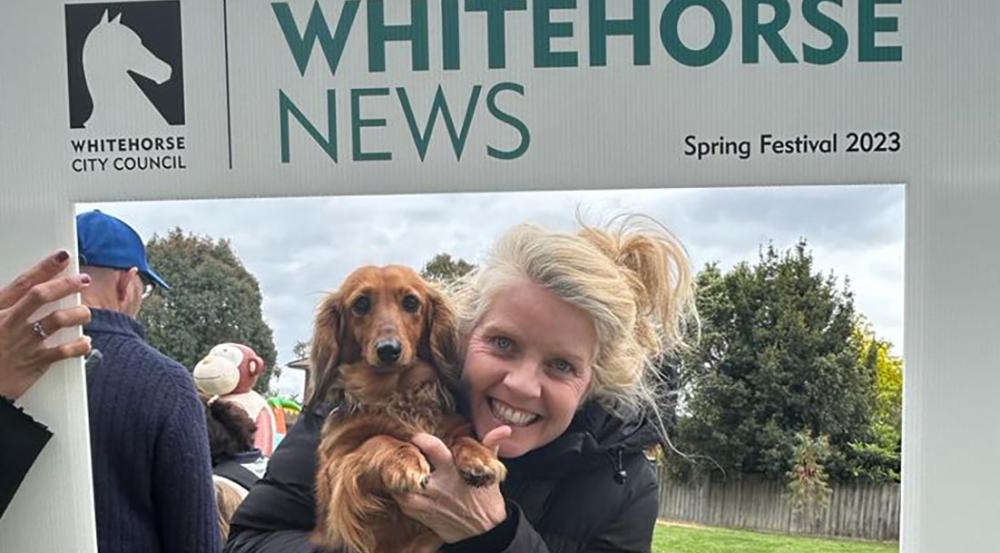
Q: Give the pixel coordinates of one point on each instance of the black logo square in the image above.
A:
(125, 64)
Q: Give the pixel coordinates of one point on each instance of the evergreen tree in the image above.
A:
(301, 349)
(445, 270)
(213, 299)
(877, 457)
(808, 487)
(777, 356)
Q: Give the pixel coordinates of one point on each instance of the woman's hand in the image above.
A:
(451, 508)
(24, 358)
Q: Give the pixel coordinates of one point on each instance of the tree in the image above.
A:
(876, 457)
(808, 487)
(875, 353)
(213, 299)
(445, 270)
(777, 355)
(301, 349)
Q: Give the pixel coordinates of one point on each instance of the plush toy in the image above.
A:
(230, 371)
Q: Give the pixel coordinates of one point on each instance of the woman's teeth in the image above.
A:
(508, 415)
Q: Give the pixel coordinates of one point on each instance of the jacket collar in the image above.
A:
(113, 322)
(593, 438)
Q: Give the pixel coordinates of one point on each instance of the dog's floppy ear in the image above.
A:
(442, 333)
(324, 357)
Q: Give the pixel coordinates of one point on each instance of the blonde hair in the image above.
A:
(227, 499)
(632, 277)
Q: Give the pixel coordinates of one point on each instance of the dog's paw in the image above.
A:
(407, 473)
(476, 464)
(480, 475)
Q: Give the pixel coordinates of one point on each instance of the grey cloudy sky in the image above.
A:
(300, 247)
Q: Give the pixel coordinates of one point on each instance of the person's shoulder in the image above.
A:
(613, 482)
(642, 472)
(149, 368)
(164, 363)
(175, 375)
(129, 361)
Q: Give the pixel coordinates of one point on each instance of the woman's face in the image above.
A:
(527, 366)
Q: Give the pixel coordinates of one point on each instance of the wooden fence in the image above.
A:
(856, 511)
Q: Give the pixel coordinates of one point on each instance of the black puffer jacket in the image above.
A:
(591, 489)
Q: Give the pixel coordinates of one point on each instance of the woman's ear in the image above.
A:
(324, 356)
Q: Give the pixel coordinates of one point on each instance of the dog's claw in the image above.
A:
(424, 481)
(477, 477)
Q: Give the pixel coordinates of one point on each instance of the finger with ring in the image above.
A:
(39, 330)
(62, 318)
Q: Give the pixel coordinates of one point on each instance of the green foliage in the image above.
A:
(876, 457)
(888, 369)
(808, 484)
(445, 270)
(777, 355)
(876, 460)
(301, 349)
(213, 299)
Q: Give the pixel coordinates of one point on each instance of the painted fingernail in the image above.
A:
(62, 256)
(85, 278)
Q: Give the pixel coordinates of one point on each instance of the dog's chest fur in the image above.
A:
(419, 409)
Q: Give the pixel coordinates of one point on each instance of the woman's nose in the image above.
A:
(523, 379)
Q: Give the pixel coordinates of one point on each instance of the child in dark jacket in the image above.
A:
(236, 463)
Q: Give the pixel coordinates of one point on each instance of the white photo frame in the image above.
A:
(623, 124)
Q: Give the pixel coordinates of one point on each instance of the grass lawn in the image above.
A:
(673, 538)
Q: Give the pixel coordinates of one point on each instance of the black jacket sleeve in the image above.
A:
(495, 540)
(526, 538)
(631, 530)
(627, 528)
(23, 439)
(279, 513)
(285, 541)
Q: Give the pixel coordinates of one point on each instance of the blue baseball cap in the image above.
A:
(105, 241)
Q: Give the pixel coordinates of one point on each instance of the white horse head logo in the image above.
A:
(110, 52)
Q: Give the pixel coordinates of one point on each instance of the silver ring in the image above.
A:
(37, 327)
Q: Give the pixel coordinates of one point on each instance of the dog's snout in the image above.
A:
(388, 350)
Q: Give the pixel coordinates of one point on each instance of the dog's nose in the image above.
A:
(388, 350)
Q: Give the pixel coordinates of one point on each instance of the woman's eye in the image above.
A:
(563, 366)
(503, 343)
(411, 303)
(361, 305)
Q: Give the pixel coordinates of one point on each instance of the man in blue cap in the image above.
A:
(153, 488)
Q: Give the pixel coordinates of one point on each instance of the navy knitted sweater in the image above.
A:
(153, 489)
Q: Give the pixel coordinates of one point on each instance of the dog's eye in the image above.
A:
(411, 303)
(362, 305)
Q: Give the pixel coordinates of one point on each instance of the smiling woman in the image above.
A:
(559, 333)
(525, 372)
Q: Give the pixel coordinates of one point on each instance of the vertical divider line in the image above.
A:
(229, 115)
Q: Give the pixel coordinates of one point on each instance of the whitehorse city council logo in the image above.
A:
(124, 62)
(126, 85)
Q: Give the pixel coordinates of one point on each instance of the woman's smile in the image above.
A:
(507, 414)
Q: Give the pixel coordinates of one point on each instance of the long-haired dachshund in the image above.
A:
(384, 349)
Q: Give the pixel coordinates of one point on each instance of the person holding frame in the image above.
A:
(24, 358)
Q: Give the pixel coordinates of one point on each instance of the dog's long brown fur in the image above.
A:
(365, 453)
